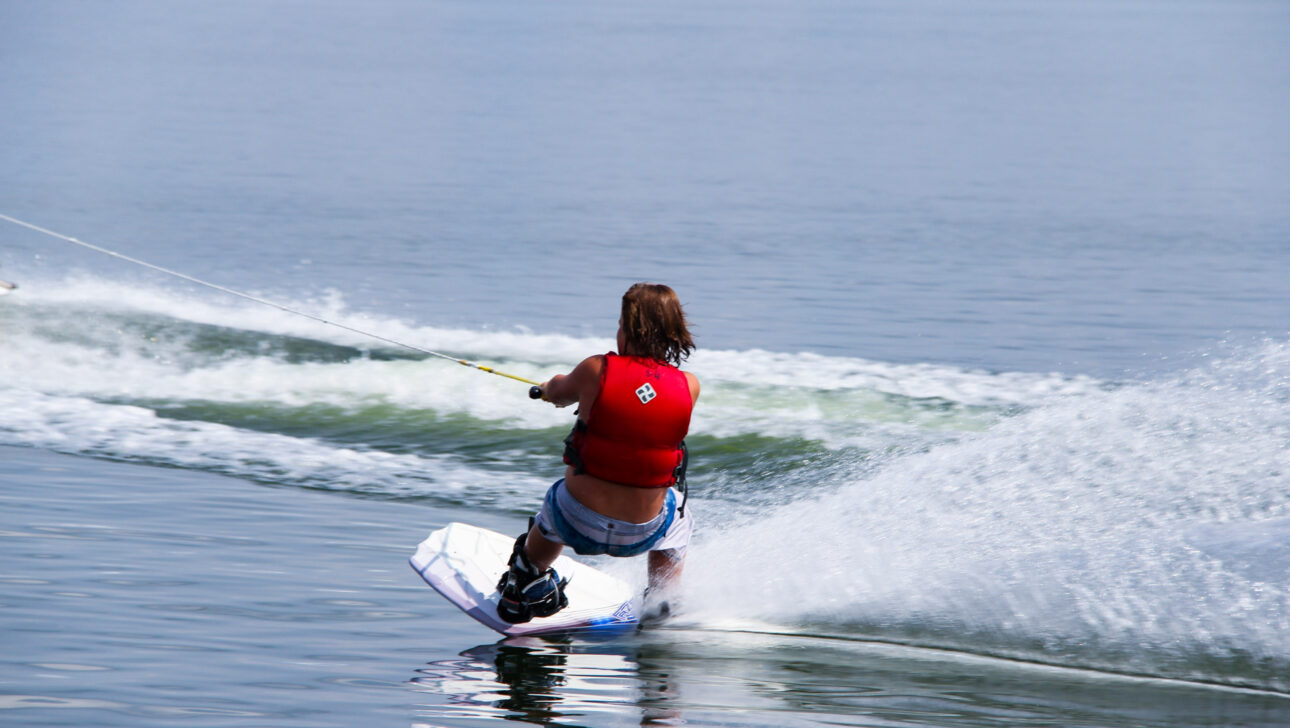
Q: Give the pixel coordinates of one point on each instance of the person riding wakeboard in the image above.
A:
(625, 457)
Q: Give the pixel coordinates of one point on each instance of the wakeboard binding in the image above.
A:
(527, 592)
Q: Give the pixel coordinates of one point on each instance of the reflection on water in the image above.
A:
(673, 676)
(551, 681)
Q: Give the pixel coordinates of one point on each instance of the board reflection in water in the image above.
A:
(552, 680)
(681, 676)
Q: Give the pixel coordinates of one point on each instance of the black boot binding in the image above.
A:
(527, 593)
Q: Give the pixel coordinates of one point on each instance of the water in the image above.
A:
(991, 308)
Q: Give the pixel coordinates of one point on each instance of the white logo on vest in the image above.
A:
(646, 392)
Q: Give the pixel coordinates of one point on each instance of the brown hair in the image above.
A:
(654, 324)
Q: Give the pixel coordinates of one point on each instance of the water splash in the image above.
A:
(1114, 530)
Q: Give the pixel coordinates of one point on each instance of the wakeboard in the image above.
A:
(463, 563)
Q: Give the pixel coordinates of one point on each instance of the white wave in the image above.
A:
(1074, 525)
(232, 312)
(838, 401)
(73, 370)
(918, 381)
(83, 426)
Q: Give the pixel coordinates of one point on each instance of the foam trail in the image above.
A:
(150, 375)
(1106, 530)
(750, 367)
(98, 339)
(118, 432)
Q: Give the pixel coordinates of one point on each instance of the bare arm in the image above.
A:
(579, 385)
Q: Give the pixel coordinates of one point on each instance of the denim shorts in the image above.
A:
(564, 520)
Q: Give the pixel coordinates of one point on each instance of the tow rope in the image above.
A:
(534, 391)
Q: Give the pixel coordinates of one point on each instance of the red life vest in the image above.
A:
(633, 434)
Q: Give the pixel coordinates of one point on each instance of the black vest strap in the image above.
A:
(679, 474)
(571, 454)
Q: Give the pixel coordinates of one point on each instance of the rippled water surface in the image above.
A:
(176, 596)
(991, 310)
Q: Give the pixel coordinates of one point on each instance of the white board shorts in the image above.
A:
(564, 520)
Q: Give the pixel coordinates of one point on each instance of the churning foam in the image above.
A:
(766, 388)
(1110, 529)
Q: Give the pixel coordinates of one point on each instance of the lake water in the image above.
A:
(992, 311)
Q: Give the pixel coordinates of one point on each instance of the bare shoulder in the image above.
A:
(694, 386)
(565, 389)
(585, 378)
(591, 367)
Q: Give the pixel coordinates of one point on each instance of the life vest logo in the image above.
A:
(646, 392)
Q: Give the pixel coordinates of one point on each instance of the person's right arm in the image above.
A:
(579, 385)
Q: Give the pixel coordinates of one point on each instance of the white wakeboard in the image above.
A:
(464, 562)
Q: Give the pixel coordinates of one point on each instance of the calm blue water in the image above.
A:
(992, 310)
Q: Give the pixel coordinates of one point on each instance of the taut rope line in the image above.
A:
(256, 299)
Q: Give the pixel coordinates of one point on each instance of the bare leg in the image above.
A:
(541, 551)
(664, 572)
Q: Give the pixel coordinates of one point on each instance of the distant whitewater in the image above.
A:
(156, 376)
